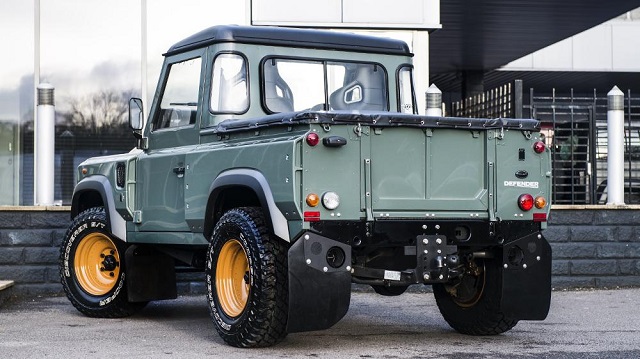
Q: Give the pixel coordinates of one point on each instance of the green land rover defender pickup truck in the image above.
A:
(286, 165)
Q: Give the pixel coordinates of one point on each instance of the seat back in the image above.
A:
(366, 92)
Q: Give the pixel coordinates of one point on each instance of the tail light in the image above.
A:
(313, 139)
(312, 200)
(540, 202)
(539, 147)
(525, 202)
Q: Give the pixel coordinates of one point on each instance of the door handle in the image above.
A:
(179, 171)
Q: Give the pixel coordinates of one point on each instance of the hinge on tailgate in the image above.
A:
(491, 187)
(367, 189)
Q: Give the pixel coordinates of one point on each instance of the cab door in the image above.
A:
(173, 131)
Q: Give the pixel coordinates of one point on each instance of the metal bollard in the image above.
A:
(44, 151)
(434, 101)
(615, 147)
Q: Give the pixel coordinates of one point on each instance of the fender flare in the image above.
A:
(100, 184)
(254, 180)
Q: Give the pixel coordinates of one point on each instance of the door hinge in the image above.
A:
(137, 216)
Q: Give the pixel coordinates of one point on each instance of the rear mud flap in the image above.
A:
(319, 284)
(526, 278)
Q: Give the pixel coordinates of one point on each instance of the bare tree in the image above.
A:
(99, 112)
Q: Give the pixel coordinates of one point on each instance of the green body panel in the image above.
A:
(273, 157)
(418, 171)
(508, 187)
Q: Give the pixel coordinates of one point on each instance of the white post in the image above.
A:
(615, 147)
(434, 101)
(420, 49)
(44, 150)
(143, 57)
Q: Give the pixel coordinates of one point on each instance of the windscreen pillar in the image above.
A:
(615, 147)
(44, 147)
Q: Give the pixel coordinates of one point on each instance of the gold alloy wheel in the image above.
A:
(470, 289)
(97, 264)
(232, 271)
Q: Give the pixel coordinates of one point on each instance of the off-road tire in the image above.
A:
(252, 314)
(87, 245)
(479, 314)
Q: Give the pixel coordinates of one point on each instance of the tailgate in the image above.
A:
(440, 170)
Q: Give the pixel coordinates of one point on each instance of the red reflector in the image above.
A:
(525, 202)
(539, 217)
(311, 216)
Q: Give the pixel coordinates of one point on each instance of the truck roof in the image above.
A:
(279, 36)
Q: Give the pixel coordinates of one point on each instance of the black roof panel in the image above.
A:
(279, 36)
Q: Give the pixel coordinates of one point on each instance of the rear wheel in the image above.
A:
(472, 305)
(92, 268)
(246, 277)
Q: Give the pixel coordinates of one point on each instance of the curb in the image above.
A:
(5, 286)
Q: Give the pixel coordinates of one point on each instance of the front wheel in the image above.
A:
(472, 305)
(92, 268)
(246, 277)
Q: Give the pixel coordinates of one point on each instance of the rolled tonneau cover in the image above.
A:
(376, 119)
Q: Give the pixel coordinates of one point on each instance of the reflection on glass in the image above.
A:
(16, 96)
(90, 51)
(229, 86)
(179, 103)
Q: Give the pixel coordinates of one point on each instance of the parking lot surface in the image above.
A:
(581, 324)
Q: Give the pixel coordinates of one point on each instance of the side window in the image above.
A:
(292, 85)
(229, 85)
(179, 103)
(406, 99)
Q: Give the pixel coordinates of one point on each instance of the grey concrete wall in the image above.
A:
(29, 252)
(598, 248)
(594, 248)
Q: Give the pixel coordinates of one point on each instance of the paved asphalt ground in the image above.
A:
(581, 324)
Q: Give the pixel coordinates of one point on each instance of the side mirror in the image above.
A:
(136, 121)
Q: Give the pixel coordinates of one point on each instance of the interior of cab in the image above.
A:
(349, 86)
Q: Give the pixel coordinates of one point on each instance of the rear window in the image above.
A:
(296, 85)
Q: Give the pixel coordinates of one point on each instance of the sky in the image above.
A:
(91, 45)
(88, 46)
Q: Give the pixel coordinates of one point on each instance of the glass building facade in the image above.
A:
(97, 54)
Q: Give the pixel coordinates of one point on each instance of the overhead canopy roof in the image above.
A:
(486, 34)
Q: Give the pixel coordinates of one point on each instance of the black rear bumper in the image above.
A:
(320, 290)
